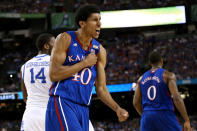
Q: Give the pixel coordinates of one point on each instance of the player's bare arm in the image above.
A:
(170, 78)
(57, 70)
(23, 88)
(137, 100)
(101, 89)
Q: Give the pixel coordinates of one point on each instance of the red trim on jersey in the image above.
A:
(97, 56)
(81, 44)
(67, 51)
(168, 94)
(153, 71)
(68, 48)
(51, 89)
(90, 45)
(58, 115)
(177, 120)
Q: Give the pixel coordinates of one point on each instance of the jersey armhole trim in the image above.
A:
(67, 50)
(163, 77)
(23, 75)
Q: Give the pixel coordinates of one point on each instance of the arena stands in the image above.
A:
(48, 6)
(126, 57)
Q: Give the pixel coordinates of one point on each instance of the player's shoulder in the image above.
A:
(95, 41)
(23, 65)
(102, 49)
(46, 57)
(30, 60)
(63, 38)
(169, 75)
(139, 80)
(145, 74)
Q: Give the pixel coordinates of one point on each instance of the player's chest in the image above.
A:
(75, 55)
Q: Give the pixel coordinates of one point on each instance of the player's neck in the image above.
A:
(154, 67)
(43, 52)
(84, 39)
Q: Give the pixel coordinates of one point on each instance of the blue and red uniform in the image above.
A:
(158, 110)
(69, 98)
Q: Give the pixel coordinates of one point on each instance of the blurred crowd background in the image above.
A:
(127, 55)
(48, 6)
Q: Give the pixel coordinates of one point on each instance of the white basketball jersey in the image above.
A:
(35, 73)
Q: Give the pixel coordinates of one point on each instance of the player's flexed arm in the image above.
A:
(57, 70)
(101, 88)
(170, 79)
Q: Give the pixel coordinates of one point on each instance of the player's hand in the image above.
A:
(122, 114)
(90, 60)
(187, 126)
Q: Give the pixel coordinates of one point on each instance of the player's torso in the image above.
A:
(35, 74)
(77, 88)
(155, 93)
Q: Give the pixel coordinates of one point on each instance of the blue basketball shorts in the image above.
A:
(63, 115)
(159, 121)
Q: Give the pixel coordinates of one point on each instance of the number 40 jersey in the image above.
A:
(35, 74)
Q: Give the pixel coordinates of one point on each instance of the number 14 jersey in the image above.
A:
(35, 74)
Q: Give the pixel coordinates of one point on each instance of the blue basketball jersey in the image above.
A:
(77, 88)
(155, 92)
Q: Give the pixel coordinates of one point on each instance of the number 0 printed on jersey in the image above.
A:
(40, 75)
(154, 91)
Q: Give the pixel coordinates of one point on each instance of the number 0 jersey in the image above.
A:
(35, 74)
(77, 88)
(155, 92)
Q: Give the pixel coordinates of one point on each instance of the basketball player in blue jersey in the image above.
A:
(77, 63)
(156, 91)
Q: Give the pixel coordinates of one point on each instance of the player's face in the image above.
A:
(93, 25)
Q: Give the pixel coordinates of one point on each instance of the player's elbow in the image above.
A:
(136, 103)
(177, 99)
(52, 76)
(99, 92)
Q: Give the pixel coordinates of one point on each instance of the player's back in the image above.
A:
(155, 92)
(35, 73)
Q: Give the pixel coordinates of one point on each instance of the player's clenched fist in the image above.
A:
(91, 59)
(122, 114)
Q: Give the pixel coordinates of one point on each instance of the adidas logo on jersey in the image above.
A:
(95, 47)
(75, 44)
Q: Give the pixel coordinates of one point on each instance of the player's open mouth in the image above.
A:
(98, 31)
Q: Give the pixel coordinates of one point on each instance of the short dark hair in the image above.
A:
(154, 57)
(84, 12)
(43, 39)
